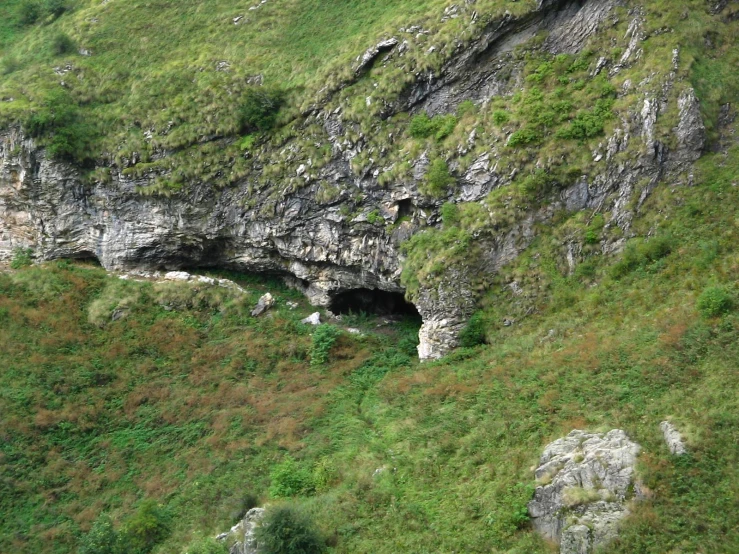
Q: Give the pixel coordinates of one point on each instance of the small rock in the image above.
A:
(206, 280)
(264, 304)
(673, 438)
(177, 276)
(292, 305)
(312, 319)
(118, 313)
(354, 331)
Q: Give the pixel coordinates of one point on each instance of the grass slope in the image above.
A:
(191, 403)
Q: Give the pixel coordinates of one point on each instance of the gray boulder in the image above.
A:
(264, 304)
(673, 438)
(585, 481)
(241, 536)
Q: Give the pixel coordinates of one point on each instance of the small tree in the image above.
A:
(259, 109)
(102, 538)
(147, 528)
(284, 530)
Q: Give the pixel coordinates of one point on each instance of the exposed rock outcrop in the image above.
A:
(327, 244)
(587, 480)
(241, 536)
(673, 438)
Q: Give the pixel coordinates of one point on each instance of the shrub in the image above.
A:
(22, 257)
(61, 44)
(67, 135)
(640, 254)
(450, 214)
(538, 183)
(102, 538)
(259, 109)
(474, 333)
(422, 126)
(290, 479)
(55, 8)
(29, 12)
(500, 117)
(714, 301)
(284, 530)
(323, 339)
(524, 137)
(147, 528)
(466, 107)
(438, 179)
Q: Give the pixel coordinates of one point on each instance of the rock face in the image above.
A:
(587, 480)
(307, 236)
(241, 535)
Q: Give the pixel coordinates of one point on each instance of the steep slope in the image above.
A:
(534, 110)
(117, 392)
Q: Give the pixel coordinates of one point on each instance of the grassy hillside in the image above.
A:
(188, 401)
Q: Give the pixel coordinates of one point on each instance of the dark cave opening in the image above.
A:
(405, 208)
(372, 301)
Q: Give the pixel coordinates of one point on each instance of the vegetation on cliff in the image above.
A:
(187, 402)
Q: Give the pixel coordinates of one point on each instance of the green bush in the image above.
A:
(450, 214)
(147, 528)
(538, 183)
(259, 109)
(524, 137)
(323, 339)
(102, 538)
(641, 254)
(466, 107)
(55, 8)
(62, 44)
(206, 545)
(289, 478)
(65, 133)
(284, 530)
(714, 301)
(438, 179)
(500, 117)
(22, 257)
(422, 126)
(29, 12)
(474, 333)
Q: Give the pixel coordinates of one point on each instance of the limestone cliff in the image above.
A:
(326, 244)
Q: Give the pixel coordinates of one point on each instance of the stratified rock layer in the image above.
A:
(589, 479)
(327, 247)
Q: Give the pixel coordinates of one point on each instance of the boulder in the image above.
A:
(264, 304)
(242, 534)
(586, 480)
(673, 438)
(312, 319)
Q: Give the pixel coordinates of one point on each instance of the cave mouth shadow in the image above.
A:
(374, 302)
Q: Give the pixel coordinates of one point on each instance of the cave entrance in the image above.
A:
(372, 301)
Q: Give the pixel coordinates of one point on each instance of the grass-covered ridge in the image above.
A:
(190, 403)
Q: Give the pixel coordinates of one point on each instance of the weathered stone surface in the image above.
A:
(673, 438)
(265, 302)
(241, 536)
(46, 205)
(587, 480)
(312, 319)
